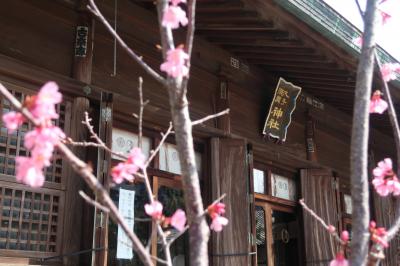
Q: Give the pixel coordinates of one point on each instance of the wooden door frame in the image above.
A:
(268, 207)
(157, 183)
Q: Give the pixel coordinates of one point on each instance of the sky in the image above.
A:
(388, 35)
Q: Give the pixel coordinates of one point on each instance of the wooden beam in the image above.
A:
(281, 50)
(310, 70)
(282, 64)
(245, 34)
(285, 58)
(219, 7)
(259, 43)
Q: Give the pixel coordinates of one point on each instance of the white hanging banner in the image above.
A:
(126, 205)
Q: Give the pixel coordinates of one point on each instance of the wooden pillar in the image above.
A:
(310, 138)
(101, 219)
(222, 103)
(74, 183)
(83, 45)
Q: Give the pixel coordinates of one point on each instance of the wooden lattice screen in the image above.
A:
(30, 219)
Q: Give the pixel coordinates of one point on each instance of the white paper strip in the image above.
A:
(126, 205)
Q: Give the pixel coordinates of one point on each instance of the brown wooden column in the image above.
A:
(76, 212)
(83, 47)
(74, 183)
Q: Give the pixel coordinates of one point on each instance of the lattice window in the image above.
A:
(30, 220)
(260, 226)
(12, 144)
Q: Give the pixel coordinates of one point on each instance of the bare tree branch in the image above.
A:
(359, 140)
(140, 89)
(163, 139)
(209, 117)
(189, 40)
(94, 9)
(85, 172)
(93, 202)
(321, 221)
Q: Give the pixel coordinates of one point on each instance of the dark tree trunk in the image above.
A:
(359, 140)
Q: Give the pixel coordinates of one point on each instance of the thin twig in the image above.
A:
(167, 38)
(359, 9)
(94, 9)
(396, 134)
(191, 9)
(140, 89)
(163, 139)
(93, 202)
(171, 241)
(204, 213)
(93, 135)
(209, 117)
(219, 199)
(321, 221)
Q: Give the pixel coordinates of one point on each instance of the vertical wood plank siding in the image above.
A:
(318, 191)
(230, 176)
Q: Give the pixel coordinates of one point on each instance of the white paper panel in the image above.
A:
(126, 205)
(259, 181)
(169, 159)
(123, 141)
(348, 205)
(283, 187)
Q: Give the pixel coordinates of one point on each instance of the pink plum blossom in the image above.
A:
(42, 106)
(358, 41)
(154, 210)
(378, 234)
(340, 260)
(13, 120)
(331, 229)
(344, 236)
(385, 17)
(384, 168)
(389, 71)
(173, 16)
(41, 140)
(385, 181)
(137, 158)
(29, 172)
(216, 209)
(178, 220)
(377, 104)
(175, 64)
(381, 186)
(177, 2)
(218, 222)
(122, 171)
(394, 186)
(125, 170)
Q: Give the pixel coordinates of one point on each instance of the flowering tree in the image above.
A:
(368, 240)
(41, 142)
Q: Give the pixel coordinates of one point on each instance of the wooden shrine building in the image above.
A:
(242, 50)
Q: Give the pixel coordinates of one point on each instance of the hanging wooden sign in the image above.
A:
(281, 109)
(81, 39)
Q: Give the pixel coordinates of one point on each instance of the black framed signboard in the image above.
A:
(281, 109)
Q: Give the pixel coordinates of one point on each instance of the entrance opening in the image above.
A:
(276, 235)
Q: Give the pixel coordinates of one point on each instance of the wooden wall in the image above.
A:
(41, 33)
(38, 37)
